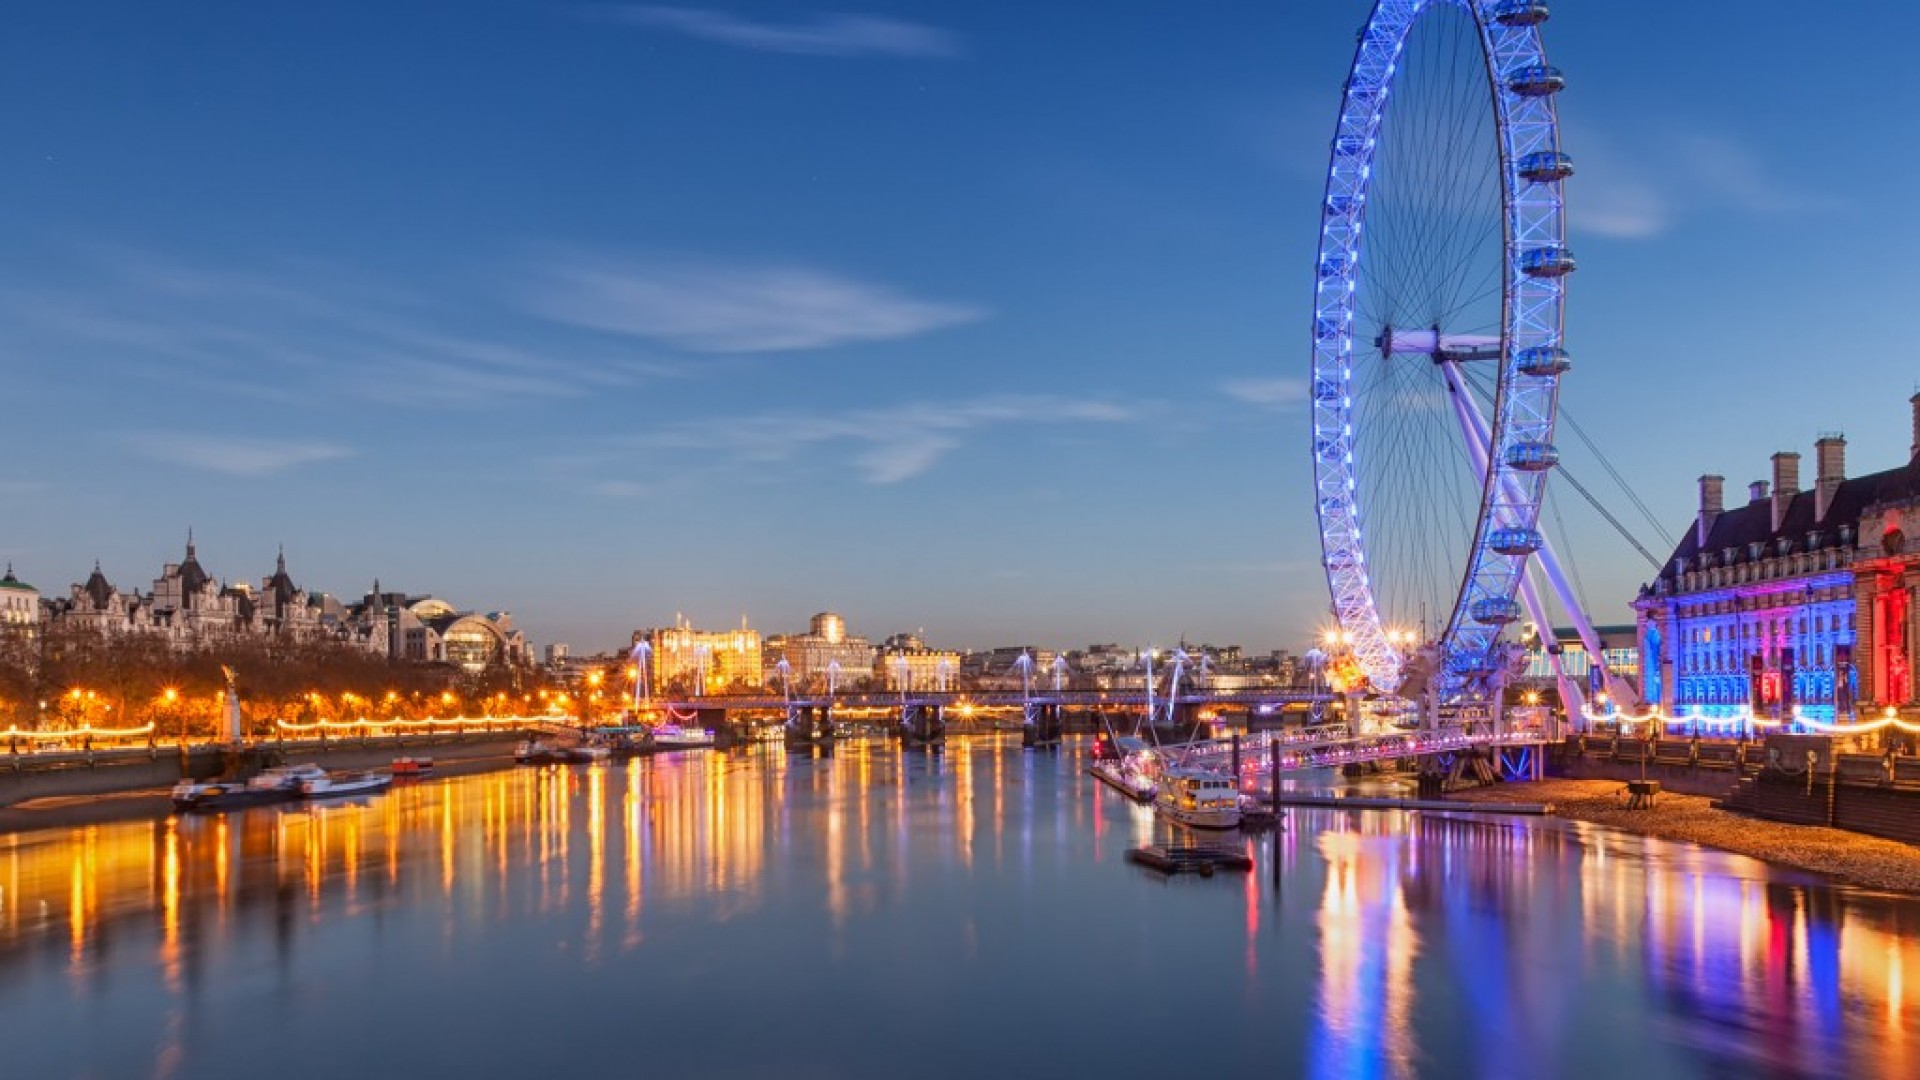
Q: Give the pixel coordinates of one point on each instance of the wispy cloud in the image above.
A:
(287, 334)
(234, 456)
(1643, 190)
(1266, 393)
(827, 34)
(711, 308)
(884, 445)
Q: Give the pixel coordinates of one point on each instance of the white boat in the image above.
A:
(589, 751)
(1199, 798)
(277, 784)
(286, 778)
(332, 785)
(675, 737)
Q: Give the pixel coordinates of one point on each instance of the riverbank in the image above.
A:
(70, 811)
(1848, 858)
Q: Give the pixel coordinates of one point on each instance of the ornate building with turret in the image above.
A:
(189, 608)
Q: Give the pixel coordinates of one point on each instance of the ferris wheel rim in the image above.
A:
(1535, 261)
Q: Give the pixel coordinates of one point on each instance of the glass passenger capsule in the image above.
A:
(1536, 80)
(1520, 12)
(1545, 167)
(1514, 541)
(1547, 262)
(1542, 361)
(1495, 610)
(1531, 456)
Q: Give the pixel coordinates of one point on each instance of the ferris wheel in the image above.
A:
(1437, 338)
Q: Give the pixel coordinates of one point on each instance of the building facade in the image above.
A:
(703, 661)
(1797, 605)
(904, 664)
(189, 608)
(825, 647)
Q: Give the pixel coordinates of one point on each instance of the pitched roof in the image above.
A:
(1744, 525)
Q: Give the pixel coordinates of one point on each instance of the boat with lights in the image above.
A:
(1198, 798)
(336, 785)
(280, 783)
(675, 737)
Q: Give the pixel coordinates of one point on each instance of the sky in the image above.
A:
(987, 319)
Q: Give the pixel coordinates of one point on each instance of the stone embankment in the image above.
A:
(1847, 857)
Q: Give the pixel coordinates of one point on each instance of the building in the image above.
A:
(905, 664)
(428, 630)
(1619, 655)
(1799, 603)
(189, 608)
(825, 646)
(19, 607)
(702, 661)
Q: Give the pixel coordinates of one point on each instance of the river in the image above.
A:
(968, 914)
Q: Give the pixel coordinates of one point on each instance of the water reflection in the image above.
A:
(804, 889)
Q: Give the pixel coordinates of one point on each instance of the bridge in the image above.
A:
(1273, 699)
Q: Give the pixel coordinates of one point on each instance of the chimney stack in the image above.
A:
(1757, 491)
(1711, 503)
(1786, 484)
(1830, 467)
(1914, 401)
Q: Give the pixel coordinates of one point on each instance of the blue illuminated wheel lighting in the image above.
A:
(1439, 308)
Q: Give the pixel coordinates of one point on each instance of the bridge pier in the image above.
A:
(923, 724)
(1042, 725)
(809, 726)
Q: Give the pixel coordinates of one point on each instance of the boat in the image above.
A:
(333, 785)
(1198, 798)
(588, 751)
(1126, 765)
(405, 767)
(675, 737)
(538, 752)
(277, 784)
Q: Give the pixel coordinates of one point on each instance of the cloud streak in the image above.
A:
(288, 335)
(1637, 193)
(707, 308)
(1266, 393)
(233, 456)
(827, 34)
(888, 445)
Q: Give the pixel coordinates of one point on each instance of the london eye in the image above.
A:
(1438, 346)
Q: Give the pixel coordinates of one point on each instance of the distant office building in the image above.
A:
(906, 663)
(826, 646)
(681, 657)
(427, 629)
(557, 654)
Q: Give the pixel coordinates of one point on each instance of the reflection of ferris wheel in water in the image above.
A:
(1437, 340)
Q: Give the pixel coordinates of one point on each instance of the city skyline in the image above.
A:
(932, 314)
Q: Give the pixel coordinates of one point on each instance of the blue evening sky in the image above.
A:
(988, 318)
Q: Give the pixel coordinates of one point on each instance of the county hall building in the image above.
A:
(1799, 603)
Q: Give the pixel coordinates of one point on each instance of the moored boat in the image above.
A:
(675, 737)
(411, 767)
(1199, 798)
(331, 785)
(277, 784)
(589, 751)
(538, 752)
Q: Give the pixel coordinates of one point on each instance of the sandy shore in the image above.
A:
(1848, 858)
(70, 811)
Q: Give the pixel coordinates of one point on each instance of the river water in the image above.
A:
(877, 914)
